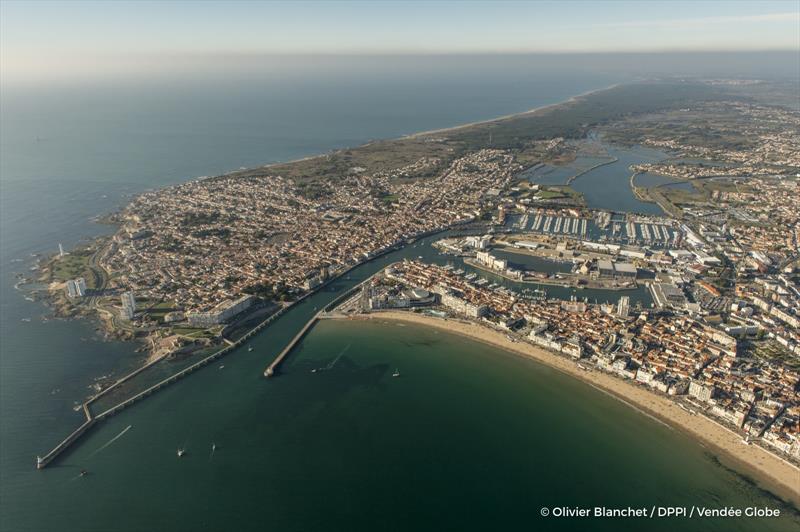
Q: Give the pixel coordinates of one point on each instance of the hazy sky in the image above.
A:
(42, 38)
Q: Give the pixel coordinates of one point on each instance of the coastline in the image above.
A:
(107, 325)
(775, 474)
(534, 110)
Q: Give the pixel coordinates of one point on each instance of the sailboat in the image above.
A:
(181, 452)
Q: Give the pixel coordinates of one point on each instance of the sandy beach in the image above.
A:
(532, 111)
(540, 109)
(768, 470)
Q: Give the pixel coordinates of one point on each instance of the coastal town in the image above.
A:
(676, 354)
(699, 304)
(403, 266)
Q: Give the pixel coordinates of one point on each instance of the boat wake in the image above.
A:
(112, 440)
(334, 361)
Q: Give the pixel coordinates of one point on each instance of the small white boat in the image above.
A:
(396, 373)
(222, 366)
(181, 452)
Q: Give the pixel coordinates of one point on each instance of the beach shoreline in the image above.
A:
(766, 469)
(531, 111)
(550, 106)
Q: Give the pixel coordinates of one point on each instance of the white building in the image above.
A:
(72, 289)
(221, 313)
(463, 306)
(701, 391)
(487, 259)
(623, 306)
(76, 287)
(80, 284)
(479, 242)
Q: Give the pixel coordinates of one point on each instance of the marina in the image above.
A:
(627, 228)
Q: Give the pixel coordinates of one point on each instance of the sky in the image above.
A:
(43, 38)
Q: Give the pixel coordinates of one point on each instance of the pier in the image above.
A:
(42, 461)
(275, 364)
(273, 367)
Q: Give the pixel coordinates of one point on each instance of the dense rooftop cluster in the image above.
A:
(202, 242)
(672, 353)
(752, 139)
(755, 227)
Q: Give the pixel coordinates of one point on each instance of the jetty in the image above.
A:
(42, 461)
(273, 367)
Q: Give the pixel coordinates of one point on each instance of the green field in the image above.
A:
(71, 266)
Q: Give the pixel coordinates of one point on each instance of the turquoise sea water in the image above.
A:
(466, 439)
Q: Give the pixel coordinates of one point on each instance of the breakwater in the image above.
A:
(275, 364)
(90, 419)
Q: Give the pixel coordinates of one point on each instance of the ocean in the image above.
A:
(468, 438)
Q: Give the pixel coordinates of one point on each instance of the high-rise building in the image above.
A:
(128, 305)
(72, 288)
(80, 286)
(623, 306)
(76, 287)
